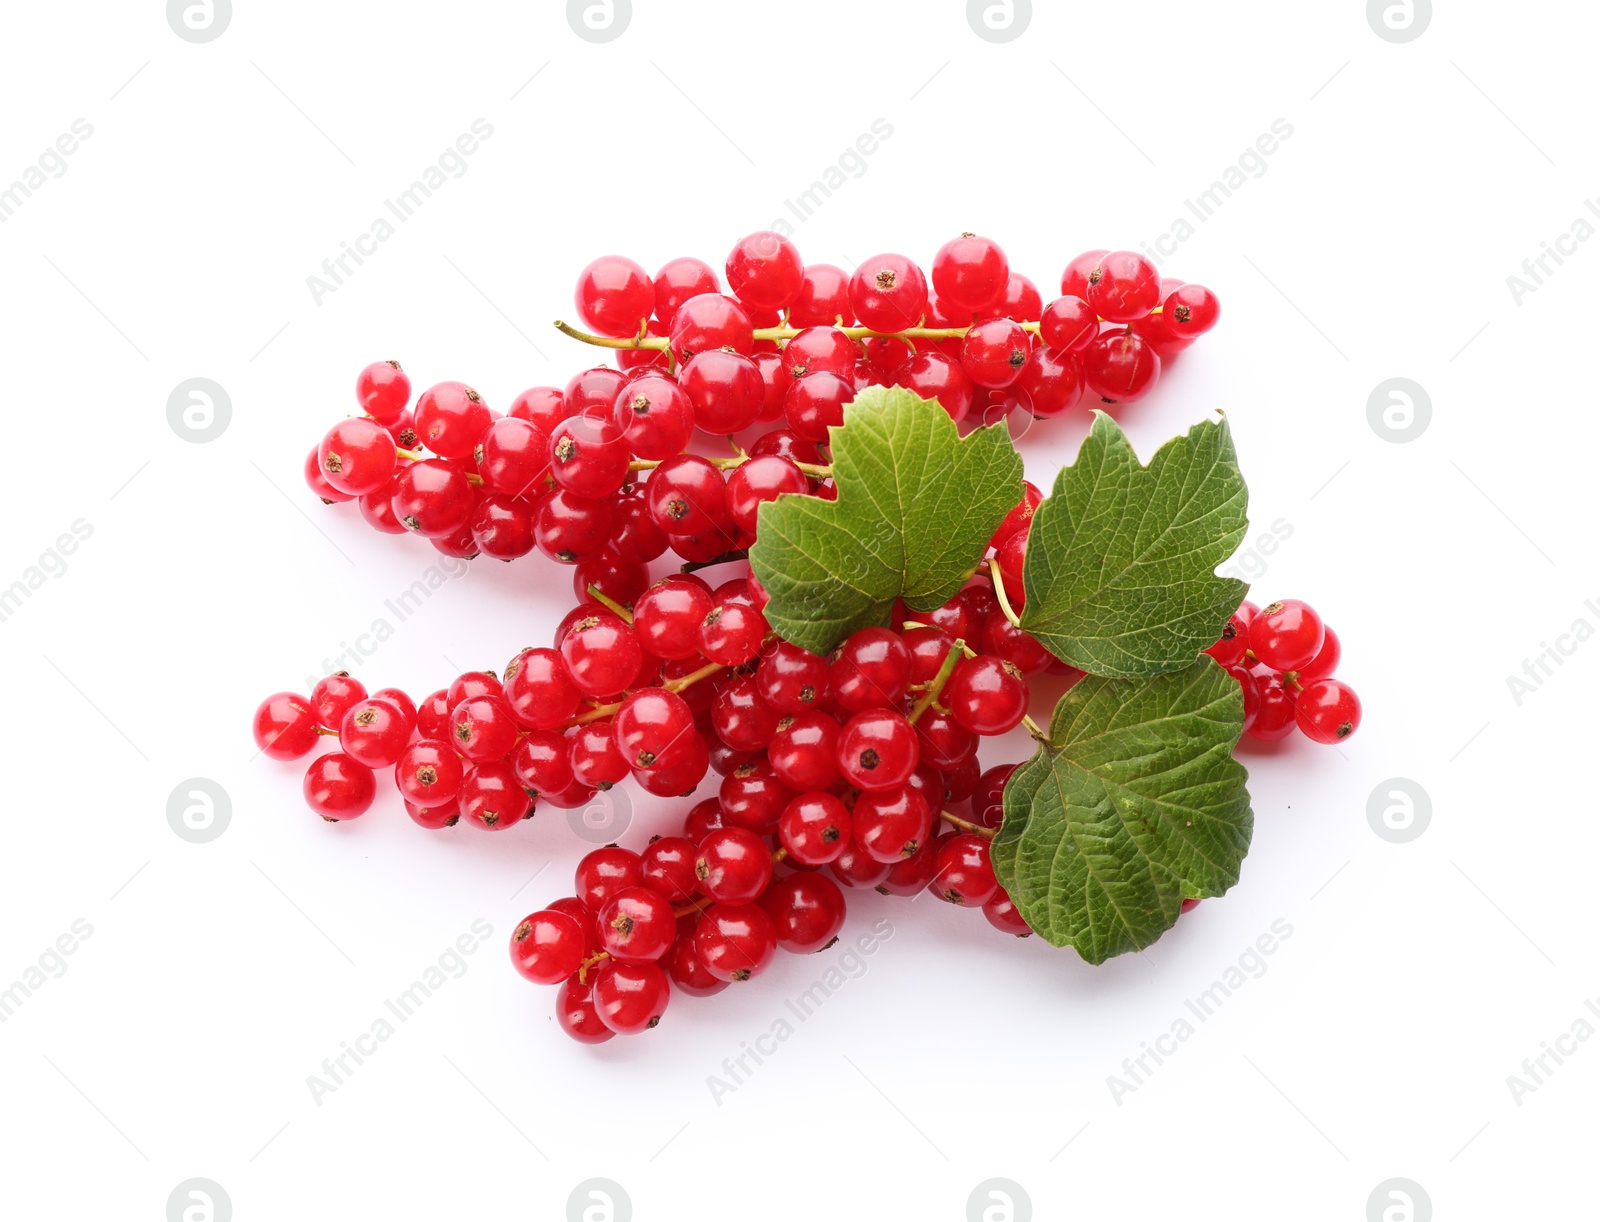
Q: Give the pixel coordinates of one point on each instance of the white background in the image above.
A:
(1376, 244)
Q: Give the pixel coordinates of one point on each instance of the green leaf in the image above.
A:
(916, 507)
(1120, 572)
(1134, 805)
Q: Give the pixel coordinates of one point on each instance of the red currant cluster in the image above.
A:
(559, 471)
(1284, 657)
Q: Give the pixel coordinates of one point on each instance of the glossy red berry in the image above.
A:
(685, 494)
(988, 797)
(816, 403)
(667, 863)
(575, 1011)
(1068, 324)
(764, 270)
(1327, 660)
(357, 456)
(614, 296)
(429, 773)
(1286, 635)
(1051, 384)
(709, 322)
(752, 797)
(733, 866)
(547, 946)
(652, 727)
(935, 375)
(602, 655)
(332, 697)
(971, 273)
(540, 690)
(374, 732)
(815, 828)
(1327, 711)
(285, 726)
(677, 281)
(987, 695)
(820, 350)
(804, 750)
(888, 293)
(1191, 310)
(877, 749)
(452, 419)
(823, 298)
(1003, 915)
(383, 390)
(732, 633)
(891, 825)
(1120, 366)
(872, 669)
(1123, 286)
(1274, 718)
(630, 997)
(491, 797)
(726, 390)
(603, 872)
(337, 787)
(994, 352)
(964, 875)
(807, 912)
(637, 925)
(432, 498)
(735, 941)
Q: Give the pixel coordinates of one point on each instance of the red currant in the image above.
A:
(735, 941)
(547, 946)
(337, 787)
(614, 296)
(1286, 634)
(1327, 711)
(285, 726)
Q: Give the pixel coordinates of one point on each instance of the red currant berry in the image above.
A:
(357, 456)
(685, 494)
(547, 946)
(595, 759)
(630, 997)
(735, 941)
(677, 281)
(285, 726)
(994, 353)
(1005, 640)
(988, 798)
(513, 457)
(964, 875)
(891, 825)
(942, 741)
(452, 419)
(987, 695)
(752, 797)
(434, 818)
(318, 482)
(337, 787)
(1123, 286)
(491, 797)
(911, 875)
(759, 480)
(652, 727)
(1003, 915)
(589, 455)
(807, 912)
(733, 866)
(934, 375)
(1229, 648)
(543, 762)
(432, 498)
(804, 751)
(1119, 366)
(569, 527)
(544, 407)
(709, 322)
(970, 272)
(483, 728)
(731, 634)
(637, 925)
(877, 749)
(1022, 300)
(889, 293)
(667, 618)
(333, 696)
(854, 868)
(815, 828)
(1050, 385)
(383, 390)
(1286, 635)
(1075, 279)
(540, 690)
(614, 296)
(374, 732)
(575, 1011)
(1068, 324)
(741, 718)
(1191, 310)
(655, 416)
(601, 654)
(668, 867)
(1275, 716)
(1327, 711)
(816, 403)
(1020, 519)
(1327, 660)
(605, 871)
(726, 391)
(824, 349)
(791, 679)
(765, 271)
(823, 299)
(872, 669)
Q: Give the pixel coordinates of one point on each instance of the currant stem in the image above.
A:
(325, 730)
(1000, 593)
(952, 659)
(1033, 729)
(814, 470)
(611, 604)
(593, 960)
(966, 825)
(661, 343)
